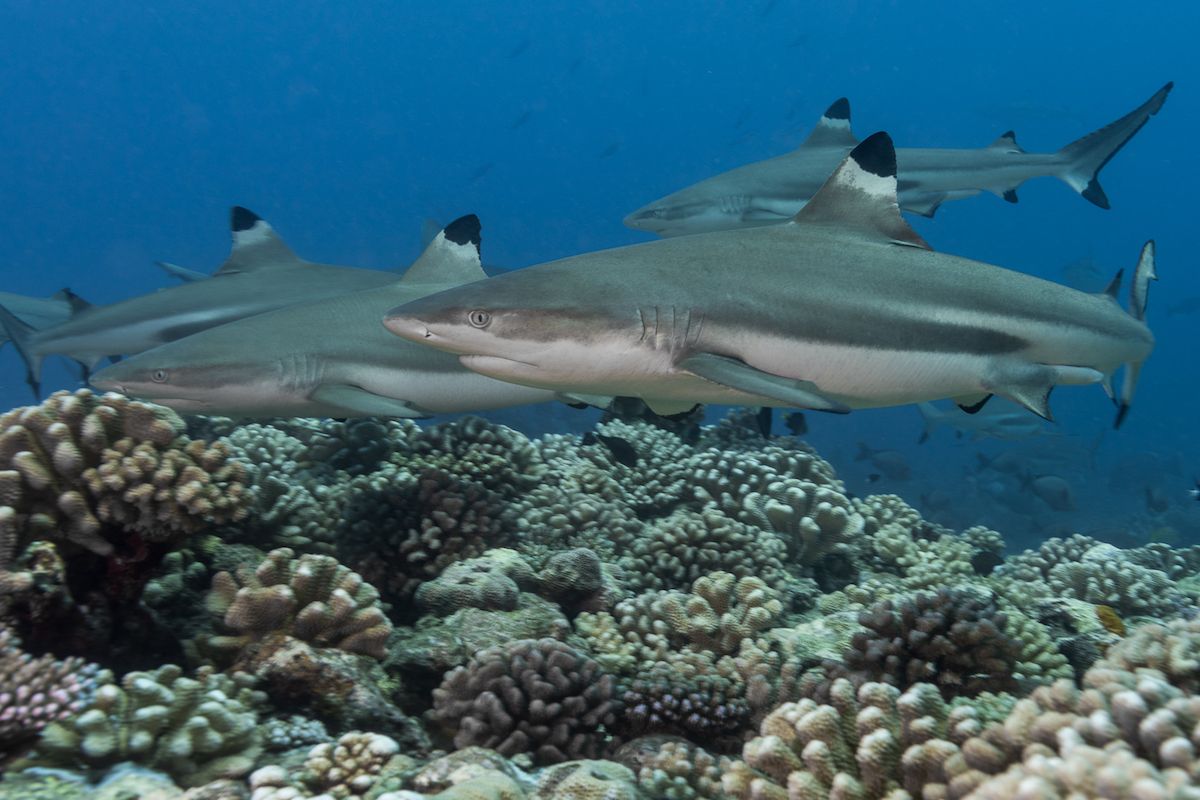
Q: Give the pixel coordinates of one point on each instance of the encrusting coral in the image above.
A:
(533, 696)
(194, 729)
(494, 582)
(80, 461)
(311, 598)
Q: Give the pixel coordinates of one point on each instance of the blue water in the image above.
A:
(130, 128)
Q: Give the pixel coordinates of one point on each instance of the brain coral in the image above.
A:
(311, 598)
(532, 696)
(79, 462)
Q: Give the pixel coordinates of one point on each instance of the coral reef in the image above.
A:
(195, 729)
(540, 697)
(35, 692)
(494, 582)
(311, 598)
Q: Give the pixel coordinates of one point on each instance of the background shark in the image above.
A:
(773, 191)
(261, 274)
(329, 358)
(845, 307)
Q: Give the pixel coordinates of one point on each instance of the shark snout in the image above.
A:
(407, 327)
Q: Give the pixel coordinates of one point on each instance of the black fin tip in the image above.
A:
(464, 230)
(876, 155)
(242, 219)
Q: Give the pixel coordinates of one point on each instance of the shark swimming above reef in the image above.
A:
(261, 274)
(774, 190)
(328, 358)
(843, 307)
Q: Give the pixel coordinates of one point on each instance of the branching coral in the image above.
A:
(399, 537)
(311, 598)
(196, 730)
(473, 449)
(35, 692)
(78, 462)
(532, 696)
(812, 519)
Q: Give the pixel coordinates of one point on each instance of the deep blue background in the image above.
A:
(128, 129)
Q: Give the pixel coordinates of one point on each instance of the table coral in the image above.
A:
(194, 729)
(79, 462)
(311, 598)
(532, 696)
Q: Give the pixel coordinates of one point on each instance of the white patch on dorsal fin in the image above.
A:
(452, 257)
(1007, 143)
(860, 196)
(256, 246)
(833, 128)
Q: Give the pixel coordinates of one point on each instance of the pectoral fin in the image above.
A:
(744, 378)
(358, 402)
(578, 399)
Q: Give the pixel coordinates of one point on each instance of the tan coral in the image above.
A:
(80, 461)
(312, 598)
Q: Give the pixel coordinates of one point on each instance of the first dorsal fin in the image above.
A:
(256, 246)
(452, 257)
(1007, 142)
(860, 195)
(833, 128)
(1114, 286)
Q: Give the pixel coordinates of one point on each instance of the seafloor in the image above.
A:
(300, 609)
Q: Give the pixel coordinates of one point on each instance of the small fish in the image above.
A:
(610, 150)
(1195, 493)
(796, 423)
(1156, 500)
(519, 121)
(747, 112)
(622, 451)
(484, 170)
(935, 500)
(891, 463)
(874, 476)
(1188, 305)
(521, 47)
(1055, 491)
(576, 64)
(763, 418)
(985, 561)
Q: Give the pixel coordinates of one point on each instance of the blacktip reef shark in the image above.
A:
(328, 358)
(843, 307)
(261, 274)
(40, 312)
(774, 190)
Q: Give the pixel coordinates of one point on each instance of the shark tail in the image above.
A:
(933, 420)
(1138, 295)
(19, 333)
(1084, 158)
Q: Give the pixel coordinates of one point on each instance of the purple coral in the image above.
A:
(35, 692)
(531, 696)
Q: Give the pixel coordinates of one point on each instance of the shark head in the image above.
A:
(172, 376)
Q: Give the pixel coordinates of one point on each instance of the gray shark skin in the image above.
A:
(329, 358)
(773, 191)
(38, 312)
(844, 307)
(261, 274)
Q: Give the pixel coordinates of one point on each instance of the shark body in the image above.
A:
(328, 358)
(773, 191)
(261, 274)
(843, 307)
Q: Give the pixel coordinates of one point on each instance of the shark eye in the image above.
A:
(159, 376)
(480, 319)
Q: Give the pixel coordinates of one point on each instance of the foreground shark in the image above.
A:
(261, 274)
(843, 307)
(773, 191)
(329, 358)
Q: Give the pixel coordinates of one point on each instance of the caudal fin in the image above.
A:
(1084, 158)
(1138, 294)
(19, 333)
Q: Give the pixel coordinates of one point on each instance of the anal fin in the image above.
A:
(742, 377)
